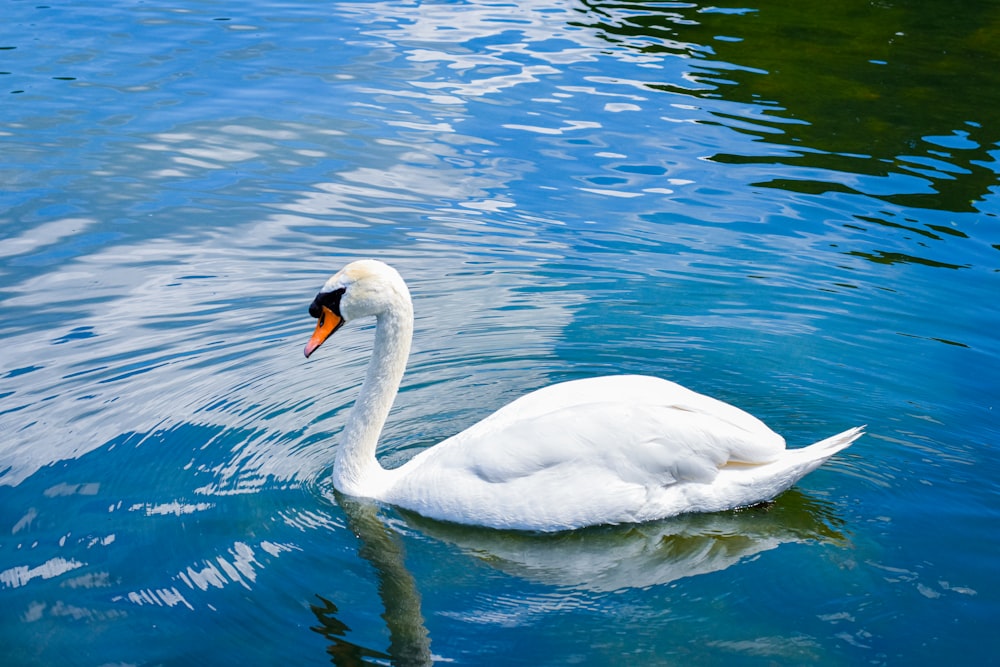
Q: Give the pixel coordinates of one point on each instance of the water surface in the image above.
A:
(792, 209)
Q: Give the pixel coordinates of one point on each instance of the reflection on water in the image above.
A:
(342, 651)
(149, 317)
(877, 107)
(615, 558)
(409, 643)
(599, 560)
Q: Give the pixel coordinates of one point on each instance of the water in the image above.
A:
(795, 210)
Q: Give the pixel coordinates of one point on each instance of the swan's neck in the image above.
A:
(356, 471)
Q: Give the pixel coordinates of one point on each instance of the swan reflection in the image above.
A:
(611, 558)
(409, 642)
(600, 559)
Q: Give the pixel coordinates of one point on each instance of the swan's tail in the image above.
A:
(754, 484)
(801, 461)
(824, 449)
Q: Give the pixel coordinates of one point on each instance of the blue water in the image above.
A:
(793, 209)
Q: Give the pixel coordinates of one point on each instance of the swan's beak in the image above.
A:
(327, 324)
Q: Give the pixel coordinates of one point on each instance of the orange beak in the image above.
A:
(327, 324)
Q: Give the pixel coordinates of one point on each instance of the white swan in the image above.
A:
(604, 450)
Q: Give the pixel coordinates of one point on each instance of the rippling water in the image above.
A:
(793, 209)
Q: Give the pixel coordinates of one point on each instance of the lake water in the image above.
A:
(792, 207)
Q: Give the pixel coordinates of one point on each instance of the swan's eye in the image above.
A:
(329, 299)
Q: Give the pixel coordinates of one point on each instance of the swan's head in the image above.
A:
(363, 288)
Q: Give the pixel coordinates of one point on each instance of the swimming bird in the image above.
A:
(603, 450)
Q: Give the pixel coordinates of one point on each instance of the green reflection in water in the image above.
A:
(862, 98)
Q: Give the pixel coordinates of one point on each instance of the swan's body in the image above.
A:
(604, 450)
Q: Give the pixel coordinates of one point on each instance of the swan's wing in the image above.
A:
(582, 465)
(593, 451)
(626, 389)
(650, 445)
(639, 416)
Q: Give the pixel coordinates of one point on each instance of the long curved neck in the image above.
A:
(356, 471)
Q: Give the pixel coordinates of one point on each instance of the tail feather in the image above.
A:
(759, 483)
(801, 461)
(826, 448)
(743, 485)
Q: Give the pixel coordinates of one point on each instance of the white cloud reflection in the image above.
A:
(206, 326)
(20, 575)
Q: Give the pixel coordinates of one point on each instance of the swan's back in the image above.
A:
(635, 390)
(602, 450)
